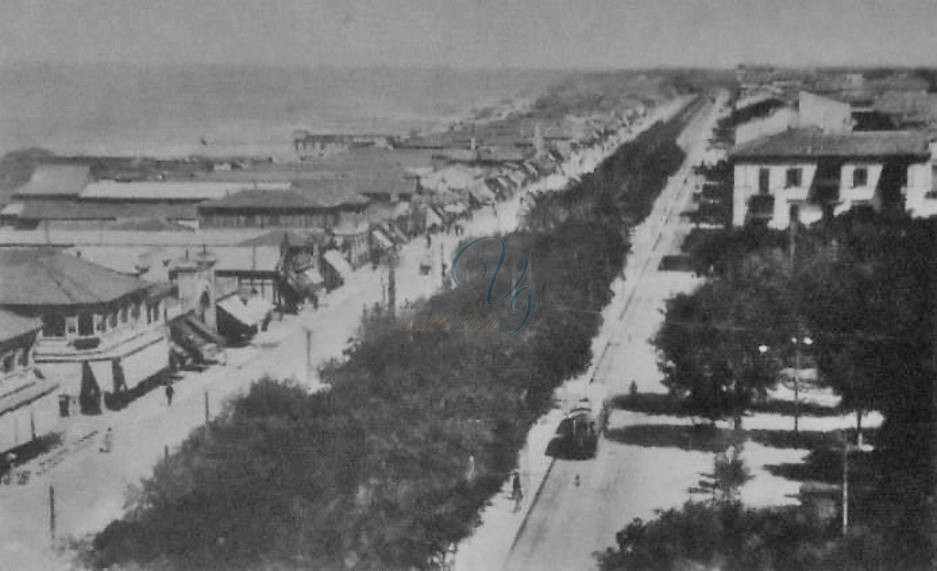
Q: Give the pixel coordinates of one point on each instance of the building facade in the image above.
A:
(809, 174)
(28, 408)
(101, 331)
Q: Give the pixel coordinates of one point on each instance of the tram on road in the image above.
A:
(578, 433)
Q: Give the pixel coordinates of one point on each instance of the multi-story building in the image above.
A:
(102, 331)
(810, 174)
(27, 400)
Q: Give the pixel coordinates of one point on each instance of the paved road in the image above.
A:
(569, 522)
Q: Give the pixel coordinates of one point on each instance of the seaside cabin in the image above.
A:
(102, 331)
(28, 400)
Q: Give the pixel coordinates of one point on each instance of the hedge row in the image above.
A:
(419, 428)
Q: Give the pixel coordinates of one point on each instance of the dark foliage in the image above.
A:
(866, 291)
(377, 468)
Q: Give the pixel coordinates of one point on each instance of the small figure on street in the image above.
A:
(517, 495)
(11, 467)
(107, 442)
(169, 392)
(429, 240)
(577, 480)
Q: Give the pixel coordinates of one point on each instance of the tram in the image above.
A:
(578, 433)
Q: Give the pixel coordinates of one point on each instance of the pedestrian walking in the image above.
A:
(577, 480)
(429, 240)
(107, 441)
(517, 493)
(169, 392)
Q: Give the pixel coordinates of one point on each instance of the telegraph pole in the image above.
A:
(52, 514)
(845, 483)
(792, 251)
(308, 353)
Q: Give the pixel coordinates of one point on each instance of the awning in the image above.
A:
(312, 275)
(381, 239)
(335, 259)
(433, 218)
(27, 395)
(250, 312)
(205, 331)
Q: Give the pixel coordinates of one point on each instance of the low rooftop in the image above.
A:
(56, 180)
(304, 195)
(13, 325)
(813, 144)
(42, 277)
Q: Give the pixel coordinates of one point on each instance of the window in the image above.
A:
(24, 357)
(86, 323)
(860, 177)
(793, 178)
(135, 311)
(112, 320)
(99, 320)
(764, 180)
(123, 314)
(53, 325)
(71, 325)
(8, 363)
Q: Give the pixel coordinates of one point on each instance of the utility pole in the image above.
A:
(845, 483)
(792, 251)
(52, 514)
(207, 411)
(308, 354)
(392, 285)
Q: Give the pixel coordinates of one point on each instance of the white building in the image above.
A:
(810, 173)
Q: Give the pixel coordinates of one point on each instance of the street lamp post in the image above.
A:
(798, 341)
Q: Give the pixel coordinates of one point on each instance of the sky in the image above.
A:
(472, 33)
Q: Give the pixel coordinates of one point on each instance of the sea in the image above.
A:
(235, 110)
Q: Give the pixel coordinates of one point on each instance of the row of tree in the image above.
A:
(865, 292)
(419, 429)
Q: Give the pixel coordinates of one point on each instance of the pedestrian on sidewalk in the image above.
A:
(169, 392)
(517, 495)
(107, 441)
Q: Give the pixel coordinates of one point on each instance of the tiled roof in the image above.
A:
(304, 195)
(13, 324)
(77, 209)
(38, 277)
(292, 237)
(810, 143)
(56, 180)
(172, 190)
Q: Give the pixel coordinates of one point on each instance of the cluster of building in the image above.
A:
(117, 271)
(836, 147)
